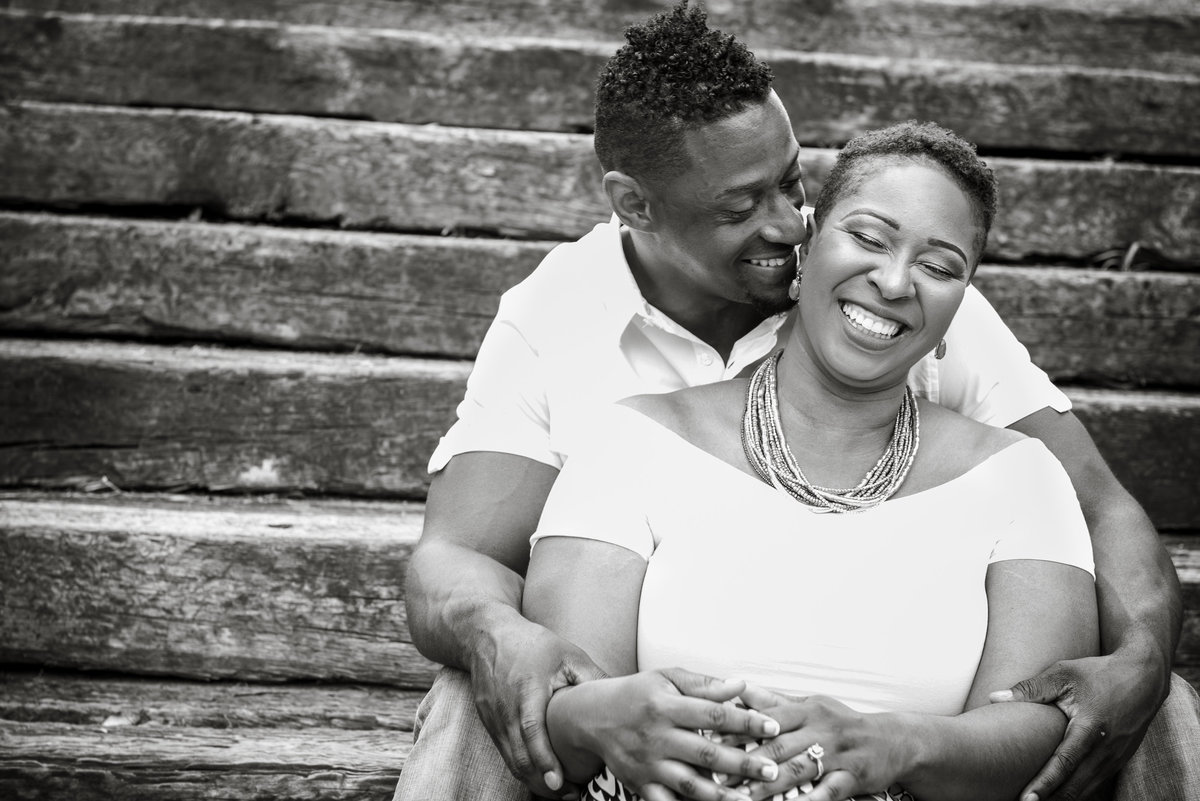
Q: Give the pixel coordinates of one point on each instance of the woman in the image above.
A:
(697, 534)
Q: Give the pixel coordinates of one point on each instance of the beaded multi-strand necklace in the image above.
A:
(769, 454)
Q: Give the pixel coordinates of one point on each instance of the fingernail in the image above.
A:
(770, 727)
(769, 771)
(552, 780)
(731, 682)
(1030, 797)
(1006, 695)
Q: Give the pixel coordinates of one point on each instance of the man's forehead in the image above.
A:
(738, 171)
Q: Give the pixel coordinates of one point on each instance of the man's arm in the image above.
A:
(1110, 699)
(463, 597)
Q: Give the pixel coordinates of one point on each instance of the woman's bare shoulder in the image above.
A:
(952, 445)
(704, 415)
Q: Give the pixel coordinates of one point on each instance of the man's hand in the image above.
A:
(1109, 702)
(513, 680)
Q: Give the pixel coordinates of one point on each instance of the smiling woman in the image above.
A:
(886, 690)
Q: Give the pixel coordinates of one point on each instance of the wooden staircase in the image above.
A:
(248, 249)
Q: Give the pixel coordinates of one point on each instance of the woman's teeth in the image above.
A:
(884, 329)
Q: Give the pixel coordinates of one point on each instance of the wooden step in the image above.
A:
(435, 296)
(425, 178)
(74, 413)
(203, 588)
(55, 761)
(1102, 327)
(1124, 34)
(79, 414)
(317, 289)
(99, 736)
(547, 83)
(112, 701)
(226, 588)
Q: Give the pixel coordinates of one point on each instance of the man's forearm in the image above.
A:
(456, 599)
(1136, 585)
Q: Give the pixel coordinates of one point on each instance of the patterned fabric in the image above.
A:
(607, 787)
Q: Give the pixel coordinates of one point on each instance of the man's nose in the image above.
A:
(786, 224)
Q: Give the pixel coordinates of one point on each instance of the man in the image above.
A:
(688, 285)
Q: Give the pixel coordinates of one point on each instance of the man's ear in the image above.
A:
(628, 199)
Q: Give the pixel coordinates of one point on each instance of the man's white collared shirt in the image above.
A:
(577, 335)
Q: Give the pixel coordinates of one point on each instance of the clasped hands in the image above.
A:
(546, 664)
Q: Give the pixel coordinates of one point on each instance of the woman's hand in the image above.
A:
(645, 728)
(861, 753)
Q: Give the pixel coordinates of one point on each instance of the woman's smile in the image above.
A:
(870, 324)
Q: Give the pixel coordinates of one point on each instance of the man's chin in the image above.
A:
(770, 306)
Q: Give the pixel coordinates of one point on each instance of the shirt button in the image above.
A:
(706, 359)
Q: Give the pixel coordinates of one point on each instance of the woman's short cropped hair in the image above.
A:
(673, 74)
(906, 141)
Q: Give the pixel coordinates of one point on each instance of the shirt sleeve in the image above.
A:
(987, 374)
(600, 493)
(504, 408)
(1044, 520)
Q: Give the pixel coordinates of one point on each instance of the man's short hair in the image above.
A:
(674, 73)
(914, 141)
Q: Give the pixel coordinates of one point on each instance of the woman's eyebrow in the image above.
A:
(941, 243)
(888, 220)
(944, 244)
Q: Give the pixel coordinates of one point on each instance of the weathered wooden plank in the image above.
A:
(1149, 439)
(54, 761)
(165, 417)
(148, 417)
(1127, 34)
(1185, 555)
(107, 701)
(1102, 327)
(237, 588)
(431, 296)
(407, 178)
(435, 296)
(546, 84)
(250, 590)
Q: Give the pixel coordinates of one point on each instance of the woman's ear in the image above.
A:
(810, 229)
(628, 199)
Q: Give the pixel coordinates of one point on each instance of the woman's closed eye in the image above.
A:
(868, 241)
(939, 270)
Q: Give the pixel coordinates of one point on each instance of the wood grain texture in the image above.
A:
(250, 590)
(1185, 554)
(546, 84)
(435, 296)
(237, 589)
(314, 289)
(54, 761)
(542, 185)
(152, 417)
(1125, 34)
(109, 701)
(175, 417)
(1149, 440)
(1100, 327)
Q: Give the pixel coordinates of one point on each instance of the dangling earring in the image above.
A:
(794, 287)
(941, 350)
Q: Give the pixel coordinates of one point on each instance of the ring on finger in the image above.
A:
(815, 752)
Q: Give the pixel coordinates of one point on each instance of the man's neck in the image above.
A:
(717, 322)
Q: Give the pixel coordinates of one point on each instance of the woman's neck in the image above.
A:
(835, 431)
